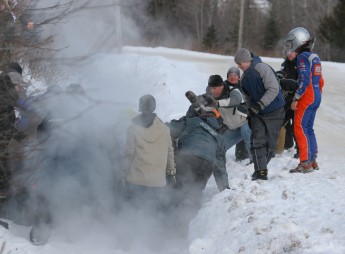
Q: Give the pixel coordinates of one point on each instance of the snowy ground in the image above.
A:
(289, 213)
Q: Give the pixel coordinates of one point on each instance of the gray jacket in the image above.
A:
(230, 99)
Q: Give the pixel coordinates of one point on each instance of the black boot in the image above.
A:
(260, 174)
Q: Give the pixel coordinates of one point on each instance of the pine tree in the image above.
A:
(271, 33)
(332, 28)
(210, 40)
(232, 37)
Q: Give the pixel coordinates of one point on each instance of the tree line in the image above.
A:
(213, 25)
(202, 25)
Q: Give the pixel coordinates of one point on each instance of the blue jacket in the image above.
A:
(259, 83)
(199, 137)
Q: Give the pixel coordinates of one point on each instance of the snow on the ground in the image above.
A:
(289, 213)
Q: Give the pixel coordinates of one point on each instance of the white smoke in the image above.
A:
(74, 166)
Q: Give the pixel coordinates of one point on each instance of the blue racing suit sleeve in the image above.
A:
(303, 69)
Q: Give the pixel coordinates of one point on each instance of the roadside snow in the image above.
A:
(289, 213)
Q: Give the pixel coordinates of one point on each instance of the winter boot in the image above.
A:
(302, 167)
(315, 165)
(260, 174)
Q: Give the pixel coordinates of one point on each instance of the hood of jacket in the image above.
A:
(149, 127)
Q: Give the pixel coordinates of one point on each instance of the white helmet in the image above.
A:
(296, 40)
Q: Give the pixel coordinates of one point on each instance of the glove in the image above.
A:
(255, 108)
(171, 180)
(192, 98)
(210, 100)
(281, 74)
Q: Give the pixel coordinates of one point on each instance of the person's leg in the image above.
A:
(288, 124)
(245, 134)
(184, 177)
(302, 115)
(259, 143)
(312, 137)
(281, 141)
(241, 152)
(232, 137)
(274, 122)
(288, 136)
(265, 129)
(203, 173)
(5, 174)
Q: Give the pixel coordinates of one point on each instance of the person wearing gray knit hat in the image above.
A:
(243, 55)
(233, 70)
(265, 104)
(242, 149)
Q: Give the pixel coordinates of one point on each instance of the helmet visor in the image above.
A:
(287, 49)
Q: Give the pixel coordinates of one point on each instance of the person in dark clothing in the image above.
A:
(233, 80)
(289, 71)
(289, 87)
(265, 104)
(200, 152)
(231, 105)
(289, 66)
(13, 66)
(8, 98)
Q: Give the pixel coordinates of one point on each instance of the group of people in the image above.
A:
(12, 97)
(253, 108)
(183, 154)
(35, 157)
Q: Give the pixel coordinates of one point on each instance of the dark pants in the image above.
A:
(241, 152)
(265, 130)
(145, 198)
(192, 174)
(5, 174)
(289, 137)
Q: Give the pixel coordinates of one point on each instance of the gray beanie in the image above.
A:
(233, 70)
(243, 55)
(147, 103)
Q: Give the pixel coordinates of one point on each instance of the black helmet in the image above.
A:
(147, 103)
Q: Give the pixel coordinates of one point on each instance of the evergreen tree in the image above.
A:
(271, 32)
(232, 37)
(332, 28)
(210, 40)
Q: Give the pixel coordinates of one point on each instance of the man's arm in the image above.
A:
(171, 169)
(303, 68)
(270, 82)
(220, 173)
(234, 99)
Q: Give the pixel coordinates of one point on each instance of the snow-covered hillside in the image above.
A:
(289, 213)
